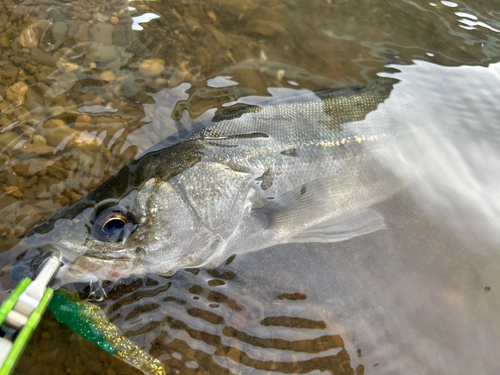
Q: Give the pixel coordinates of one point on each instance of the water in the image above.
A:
(87, 86)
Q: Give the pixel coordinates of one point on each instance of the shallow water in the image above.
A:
(87, 86)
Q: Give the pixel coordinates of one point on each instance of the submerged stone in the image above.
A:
(152, 67)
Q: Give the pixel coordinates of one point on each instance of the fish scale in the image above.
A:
(305, 167)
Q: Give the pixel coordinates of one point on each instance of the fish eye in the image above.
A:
(113, 224)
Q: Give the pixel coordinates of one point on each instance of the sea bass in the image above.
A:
(301, 169)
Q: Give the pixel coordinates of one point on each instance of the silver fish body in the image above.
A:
(302, 169)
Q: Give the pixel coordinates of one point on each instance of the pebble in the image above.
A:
(36, 148)
(151, 67)
(101, 17)
(4, 159)
(82, 122)
(85, 16)
(39, 139)
(17, 92)
(29, 37)
(7, 200)
(54, 123)
(7, 138)
(56, 136)
(34, 100)
(19, 230)
(21, 169)
(59, 31)
(7, 72)
(4, 41)
(264, 28)
(74, 196)
(61, 199)
(32, 181)
(68, 67)
(107, 76)
(212, 15)
(57, 15)
(14, 191)
(42, 58)
(114, 20)
(102, 33)
(280, 74)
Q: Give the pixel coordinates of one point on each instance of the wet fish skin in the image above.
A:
(292, 170)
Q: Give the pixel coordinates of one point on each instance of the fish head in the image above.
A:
(150, 228)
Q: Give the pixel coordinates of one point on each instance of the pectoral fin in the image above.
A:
(329, 209)
(342, 228)
(309, 203)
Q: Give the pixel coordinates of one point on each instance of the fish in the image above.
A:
(301, 169)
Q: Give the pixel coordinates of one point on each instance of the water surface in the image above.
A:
(87, 86)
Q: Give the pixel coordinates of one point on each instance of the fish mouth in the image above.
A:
(98, 266)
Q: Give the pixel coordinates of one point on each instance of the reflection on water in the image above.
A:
(216, 322)
(88, 86)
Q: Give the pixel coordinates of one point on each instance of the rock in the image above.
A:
(4, 40)
(55, 137)
(75, 196)
(8, 138)
(107, 76)
(29, 36)
(8, 71)
(17, 60)
(7, 200)
(4, 159)
(14, 191)
(11, 179)
(17, 92)
(61, 199)
(39, 139)
(36, 148)
(82, 122)
(42, 87)
(59, 31)
(152, 67)
(3, 19)
(68, 67)
(101, 52)
(56, 110)
(21, 183)
(57, 15)
(114, 20)
(212, 15)
(29, 195)
(21, 169)
(19, 230)
(85, 16)
(54, 123)
(42, 58)
(264, 28)
(33, 100)
(32, 181)
(102, 33)
(90, 99)
(130, 89)
(82, 35)
(101, 17)
(16, 13)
